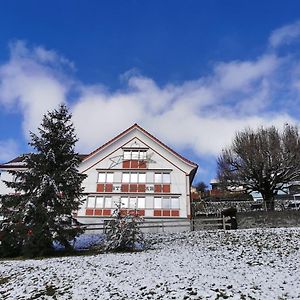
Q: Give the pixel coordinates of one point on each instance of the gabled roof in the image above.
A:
(136, 126)
(18, 162)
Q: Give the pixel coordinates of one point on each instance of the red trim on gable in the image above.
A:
(149, 135)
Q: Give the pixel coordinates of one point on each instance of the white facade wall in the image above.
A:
(159, 159)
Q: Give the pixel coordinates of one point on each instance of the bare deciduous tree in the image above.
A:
(263, 160)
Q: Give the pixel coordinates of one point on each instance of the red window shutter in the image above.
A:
(175, 213)
(98, 212)
(133, 188)
(166, 188)
(157, 188)
(106, 212)
(100, 187)
(142, 164)
(157, 213)
(108, 187)
(166, 213)
(134, 164)
(89, 212)
(141, 212)
(126, 164)
(125, 188)
(142, 188)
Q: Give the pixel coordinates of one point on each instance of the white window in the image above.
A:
(124, 202)
(127, 155)
(142, 177)
(106, 177)
(132, 202)
(134, 177)
(166, 177)
(175, 203)
(166, 203)
(99, 202)
(126, 177)
(157, 202)
(115, 203)
(143, 155)
(162, 178)
(141, 202)
(107, 202)
(90, 202)
(157, 177)
(110, 177)
(101, 177)
(135, 154)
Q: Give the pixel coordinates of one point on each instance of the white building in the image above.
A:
(134, 169)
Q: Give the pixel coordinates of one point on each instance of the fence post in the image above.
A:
(224, 225)
(192, 224)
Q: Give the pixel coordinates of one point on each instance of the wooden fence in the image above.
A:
(167, 225)
(163, 225)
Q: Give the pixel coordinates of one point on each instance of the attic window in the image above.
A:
(135, 154)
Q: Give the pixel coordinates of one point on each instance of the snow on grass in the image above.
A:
(242, 264)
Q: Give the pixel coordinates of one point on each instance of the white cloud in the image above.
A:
(201, 114)
(30, 83)
(285, 34)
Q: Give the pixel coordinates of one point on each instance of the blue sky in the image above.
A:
(190, 72)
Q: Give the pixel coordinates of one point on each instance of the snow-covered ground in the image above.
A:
(242, 264)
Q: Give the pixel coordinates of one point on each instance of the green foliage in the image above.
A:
(46, 192)
(123, 232)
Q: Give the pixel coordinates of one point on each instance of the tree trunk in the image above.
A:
(269, 201)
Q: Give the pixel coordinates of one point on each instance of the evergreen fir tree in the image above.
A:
(46, 193)
(123, 232)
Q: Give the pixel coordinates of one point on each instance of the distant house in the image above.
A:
(134, 169)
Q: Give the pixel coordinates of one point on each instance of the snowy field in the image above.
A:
(243, 264)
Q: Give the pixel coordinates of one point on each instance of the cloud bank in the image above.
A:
(201, 115)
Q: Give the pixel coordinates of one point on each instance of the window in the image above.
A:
(157, 202)
(142, 177)
(135, 154)
(107, 202)
(162, 182)
(166, 203)
(133, 202)
(134, 177)
(106, 177)
(157, 178)
(124, 202)
(162, 178)
(175, 203)
(141, 202)
(127, 155)
(99, 202)
(90, 203)
(166, 177)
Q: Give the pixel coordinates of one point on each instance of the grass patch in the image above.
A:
(4, 280)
